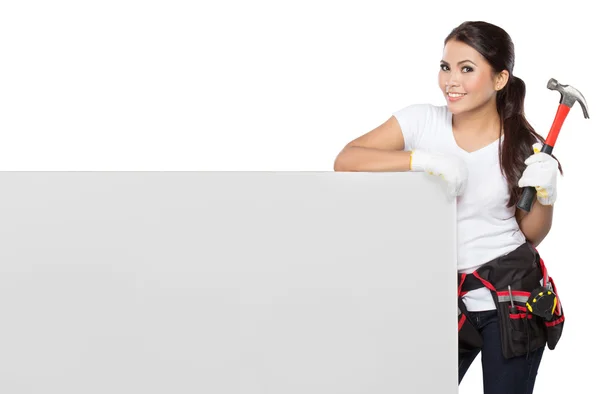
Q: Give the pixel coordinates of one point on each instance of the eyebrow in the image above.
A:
(462, 61)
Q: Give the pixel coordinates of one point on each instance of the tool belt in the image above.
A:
(517, 281)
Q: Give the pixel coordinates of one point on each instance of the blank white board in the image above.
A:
(226, 283)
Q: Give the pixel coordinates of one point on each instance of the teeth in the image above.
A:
(456, 94)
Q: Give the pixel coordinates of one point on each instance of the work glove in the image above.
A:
(541, 172)
(451, 168)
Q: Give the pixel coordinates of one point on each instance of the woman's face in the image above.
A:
(466, 78)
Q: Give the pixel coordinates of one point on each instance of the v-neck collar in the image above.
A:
(462, 150)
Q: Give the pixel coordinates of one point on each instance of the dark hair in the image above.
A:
(496, 46)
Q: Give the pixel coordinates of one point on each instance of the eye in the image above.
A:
(467, 68)
(444, 67)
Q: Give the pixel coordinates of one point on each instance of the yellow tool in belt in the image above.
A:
(542, 302)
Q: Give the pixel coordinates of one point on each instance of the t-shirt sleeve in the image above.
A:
(413, 121)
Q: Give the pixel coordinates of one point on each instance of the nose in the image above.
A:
(450, 84)
(453, 80)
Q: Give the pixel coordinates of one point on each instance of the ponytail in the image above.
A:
(519, 135)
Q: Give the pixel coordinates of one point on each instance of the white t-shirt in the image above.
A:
(486, 228)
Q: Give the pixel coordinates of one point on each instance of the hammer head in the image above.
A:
(568, 95)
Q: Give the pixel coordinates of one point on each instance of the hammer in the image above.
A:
(568, 96)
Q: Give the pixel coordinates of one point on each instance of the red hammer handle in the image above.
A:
(529, 192)
(561, 114)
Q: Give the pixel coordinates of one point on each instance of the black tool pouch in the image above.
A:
(511, 280)
(554, 327)
(521, 332)
(468, 336)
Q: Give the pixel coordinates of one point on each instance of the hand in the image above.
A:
(452, 169)
(541, 172)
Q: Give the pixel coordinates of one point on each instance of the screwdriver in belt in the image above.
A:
(512, 308)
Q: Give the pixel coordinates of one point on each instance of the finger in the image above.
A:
(526, 180)
(456, 191)
(458, 188)
(537, 158)
(451, 188)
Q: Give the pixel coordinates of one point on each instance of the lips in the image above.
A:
(453, 96)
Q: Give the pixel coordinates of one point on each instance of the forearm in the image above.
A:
(357, 158)
(536, 224)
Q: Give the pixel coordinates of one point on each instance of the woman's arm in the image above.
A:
(364, 159)
(536, 224)
(541, 172)
(381, 149)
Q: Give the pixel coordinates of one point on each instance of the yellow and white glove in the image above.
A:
(451, 168)
(541, 172)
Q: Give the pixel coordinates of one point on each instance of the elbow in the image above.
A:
(533, 241)
(535, 236)
(536, 225)
(338, 165)
(542, 236)
(341, 162)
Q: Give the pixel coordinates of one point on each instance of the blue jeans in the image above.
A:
(500, 376)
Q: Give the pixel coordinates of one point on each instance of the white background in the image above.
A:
(266, 85)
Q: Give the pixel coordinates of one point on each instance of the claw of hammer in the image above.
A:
(569, 95)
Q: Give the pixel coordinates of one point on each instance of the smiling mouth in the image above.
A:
(455, 95)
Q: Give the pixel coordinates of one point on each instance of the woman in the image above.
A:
(481, 144)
